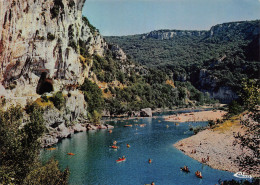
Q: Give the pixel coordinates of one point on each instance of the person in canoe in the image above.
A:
(185, 169)
(198, 174)
(121, 159)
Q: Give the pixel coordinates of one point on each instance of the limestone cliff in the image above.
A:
(39, 45)
(170, 34)
(47, 46)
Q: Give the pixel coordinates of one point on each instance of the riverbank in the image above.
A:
(165, 110)
(196, 116)
(216, 148)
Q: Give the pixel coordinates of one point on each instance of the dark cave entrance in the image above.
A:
(44, 85)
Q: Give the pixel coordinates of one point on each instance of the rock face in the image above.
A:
(61, 124)
(147, 112)
(169, 34)
(209, 83)
(42, 38)
(224, 28)
(118, 52)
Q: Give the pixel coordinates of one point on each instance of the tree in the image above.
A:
(250, 94)
(234, 108)
(20, 147)
(93, 96)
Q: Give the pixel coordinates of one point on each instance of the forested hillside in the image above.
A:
(125, 86)
(214, 61)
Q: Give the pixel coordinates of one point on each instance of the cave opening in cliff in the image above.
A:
(45, 84)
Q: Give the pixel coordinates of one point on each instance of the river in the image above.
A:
(95, 163)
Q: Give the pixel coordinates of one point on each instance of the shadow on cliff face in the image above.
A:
(44, 84)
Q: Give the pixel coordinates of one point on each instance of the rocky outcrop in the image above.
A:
(79, 128)
(147, 112)
(118, 52)
(224, 94)
(209, 83)
(170, 34)
(246, 29)
(62, 123)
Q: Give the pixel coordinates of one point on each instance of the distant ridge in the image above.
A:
(214, 30)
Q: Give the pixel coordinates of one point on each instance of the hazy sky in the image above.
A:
(126, 17)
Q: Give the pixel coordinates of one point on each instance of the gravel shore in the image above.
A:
(196, 116)
(215, 148)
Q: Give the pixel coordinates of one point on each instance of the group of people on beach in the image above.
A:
(204, 160)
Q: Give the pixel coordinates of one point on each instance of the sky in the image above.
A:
(128, 17)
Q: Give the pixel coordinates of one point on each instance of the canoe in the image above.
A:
(188, 171)
(114, 147)
(198, 176)
(70, 153)
(128, 125)
(51, 148)
(120, 160)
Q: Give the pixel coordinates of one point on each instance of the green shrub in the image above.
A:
(198, 129)
(20, 149)
(48, 174)
(44, 98)
(58, 100)
(234, 108)
(93, 96)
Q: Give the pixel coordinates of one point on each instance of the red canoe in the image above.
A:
(114, 147)
(120, 160)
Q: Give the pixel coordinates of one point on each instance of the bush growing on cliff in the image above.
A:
(93, 96)
(71, 3)
(50, 36)
(55, 10)
(58, 100)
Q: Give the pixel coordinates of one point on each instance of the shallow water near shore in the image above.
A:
(95, 163)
